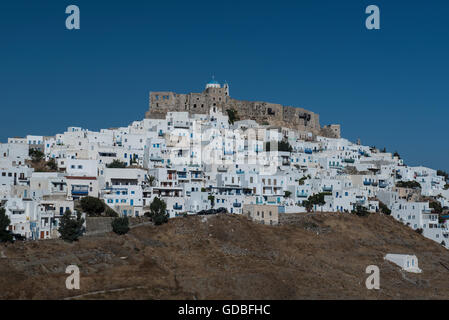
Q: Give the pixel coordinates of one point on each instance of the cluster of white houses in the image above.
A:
(197, 162)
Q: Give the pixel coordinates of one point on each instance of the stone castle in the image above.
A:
(216, 97)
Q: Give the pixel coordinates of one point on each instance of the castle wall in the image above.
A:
(162, 102)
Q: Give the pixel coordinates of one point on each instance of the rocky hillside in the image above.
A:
(322, 256)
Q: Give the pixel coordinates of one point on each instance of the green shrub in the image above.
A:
(5, 235)
(93, 207)
(117, 164)
(36, 155)
(383, 208)
(408, 184)
(110, 212)
(120, 225)
(360, 211)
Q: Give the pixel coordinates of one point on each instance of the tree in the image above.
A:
(308, 205)
(316, 199)
(436, 206)
(211, 198)
(93, 207)
(36, 155)
(120, 225)
(117, 164)
(232, 115)
(71, 228)
(408, 184)
(360, 211)
(151, 180)
(396, 154)
(443, 174)
(384, 150)
(285, 146)
(110, 212)
(158, 211)
(301, 180)
(5, 235)
(383, 208)
(51, 164)
(287, 194)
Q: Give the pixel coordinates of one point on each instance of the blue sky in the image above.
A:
(388, 87)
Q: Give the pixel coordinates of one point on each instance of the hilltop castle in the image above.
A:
(216, 97)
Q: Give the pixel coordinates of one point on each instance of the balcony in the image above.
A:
(382, 185)
(177, 207)
(240, 171)
(236, 205)
(366, 183)
(80, 190)
(349, 160)
(302, 195)
(327, 189)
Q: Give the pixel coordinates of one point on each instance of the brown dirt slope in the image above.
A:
(322, 256)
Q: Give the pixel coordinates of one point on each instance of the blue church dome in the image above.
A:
(213, 84)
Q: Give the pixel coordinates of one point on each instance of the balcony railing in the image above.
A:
(236, 205)
(80, 190)
(177, 207)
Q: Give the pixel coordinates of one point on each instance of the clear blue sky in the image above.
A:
(388, 87)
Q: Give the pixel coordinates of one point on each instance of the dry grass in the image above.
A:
(229, 257)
